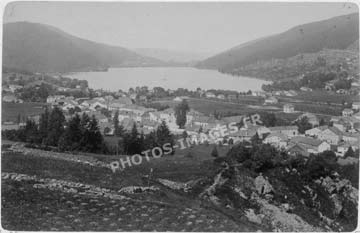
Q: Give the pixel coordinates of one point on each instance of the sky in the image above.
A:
(204, 27)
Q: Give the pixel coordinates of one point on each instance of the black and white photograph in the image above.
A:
(187, 116)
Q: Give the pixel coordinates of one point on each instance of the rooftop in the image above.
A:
(306, 141)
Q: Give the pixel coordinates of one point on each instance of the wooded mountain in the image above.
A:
(335, 33)
(42, 48)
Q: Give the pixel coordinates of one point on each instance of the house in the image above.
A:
(232, 97)
(242, 135)
(205, 122)
(312, 118)
(9, 125)
(10, 98)
(258, 93)
(210, 95)
(342, 91)
(289, 108)
(135, 109)
(13, 87)
(168, 115)
(278, 140)
(262, 131)
(330, 85)
(67, 104)
(128, 124)
(289, 131)
(314, 132)
(201, 121)
(106, 128)
(297, 149)
(357, 115)
(116, 104)
(191, 115)
(271, 100)
(343, 147)
(342, 125)
(345, 123)
(6, 89)
(143, 98)
(350, 137)
(331, 135)
(290, 93)
(94, 104)
(133, 96)
(192, 129)
(177, 99)
(305, 89)
(126, 114)
(220, 96)
(347, 112)
(99, 116)
(149, 125)
(312, 145)
(233, 119)
(356, 106)
(62, 89)
(278, 93)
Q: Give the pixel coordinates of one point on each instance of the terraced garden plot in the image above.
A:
(30, 205)
(27, 208)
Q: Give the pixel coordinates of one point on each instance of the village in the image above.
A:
(339, 135)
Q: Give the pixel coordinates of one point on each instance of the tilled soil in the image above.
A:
(27, 208)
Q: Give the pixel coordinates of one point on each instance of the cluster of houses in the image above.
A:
(343, 133)
(9, 93)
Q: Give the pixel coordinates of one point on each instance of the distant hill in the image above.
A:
(335, 33)
(172, 55)
(41, 48)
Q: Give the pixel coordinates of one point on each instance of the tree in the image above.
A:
(119, 129)
(303, 124)
(322, 122)
(31, 132)
(43, 125)
(185, 134)
(231, 141)
(107, 130)
(349, 153)
(214, 152)
(105, 112)
(93, 141)
(18, 119)
(132, 141)
(255, 139)
(70, 139)
(180, 113)
(268, 119)
(163, 135)
(55, 127)
(150, 140)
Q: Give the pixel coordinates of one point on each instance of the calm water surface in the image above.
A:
(168, 78)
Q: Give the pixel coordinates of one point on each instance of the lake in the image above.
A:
(168, 78)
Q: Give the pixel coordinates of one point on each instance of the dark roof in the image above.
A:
(306, 140)
(279, 128)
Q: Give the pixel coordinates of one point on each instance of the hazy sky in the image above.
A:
(198, 27)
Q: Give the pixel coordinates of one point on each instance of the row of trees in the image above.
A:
(134, 142)
(77, 134)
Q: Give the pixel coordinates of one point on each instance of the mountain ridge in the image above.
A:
(44, 48)
(334, 33)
